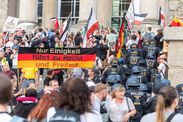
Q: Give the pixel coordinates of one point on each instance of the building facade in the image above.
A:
(108, 12)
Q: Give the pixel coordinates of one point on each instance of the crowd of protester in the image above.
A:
(132, 88)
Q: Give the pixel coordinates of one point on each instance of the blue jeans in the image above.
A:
(26, 83)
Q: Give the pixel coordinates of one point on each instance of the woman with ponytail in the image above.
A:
(167, 101)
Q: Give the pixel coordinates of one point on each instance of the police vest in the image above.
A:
(113, 75)
(133, 61)
(151, 63)
(180, 105)
(145, 74)
(151, 52)
(133, 52)
(138, 97)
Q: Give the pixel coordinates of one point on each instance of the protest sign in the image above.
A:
(56, 57)
(10, 24)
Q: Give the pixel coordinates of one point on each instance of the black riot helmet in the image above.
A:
(165, 81)
(114, 63)
(179, 88)
(152, 43)
(143, 87)
(133, 46)
(135, 70)
(142, 63)
(132, 82)
(145, 43)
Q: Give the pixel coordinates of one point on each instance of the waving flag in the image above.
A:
(56, 25)
(133, 15)
(176, 22)
(161, 18)
(120, 43)
(64, 28)
(139, 18)
(91, 26)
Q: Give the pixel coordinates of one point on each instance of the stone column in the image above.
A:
(12, 8)
(152, 8)
(84, 9)
(104, 12)
(4, 12)
(49, 11)
(28, 10)
(174, 37)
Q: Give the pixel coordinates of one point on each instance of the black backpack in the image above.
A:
(63, 115)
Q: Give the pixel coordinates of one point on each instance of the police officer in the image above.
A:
(179, 88)
(149, 106)
(136, 71)
(152, 51)
(144, 71)
(137, 96)
(113, 74)
(151, 54)
(134, 50)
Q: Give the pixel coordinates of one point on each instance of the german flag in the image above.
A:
(176, 22)
(120, 43)
(56, 58)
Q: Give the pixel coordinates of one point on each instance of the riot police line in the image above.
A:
(137, 72)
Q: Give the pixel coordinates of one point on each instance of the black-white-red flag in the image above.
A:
(161, 18)
(64, 28)
(91, 26)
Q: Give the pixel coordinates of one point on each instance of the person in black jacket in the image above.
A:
(158, 38)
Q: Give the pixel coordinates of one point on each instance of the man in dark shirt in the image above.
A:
(49, 77)
(11, 74)
(158, 38)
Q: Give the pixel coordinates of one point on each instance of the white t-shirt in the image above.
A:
(5, 117)
(162, 70)
(9, 44)
(87, 117)
(118, 111)
(152, 117)
(130, 42)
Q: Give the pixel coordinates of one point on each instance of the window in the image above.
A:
(65, 7)
(119, 9)
(39, 11)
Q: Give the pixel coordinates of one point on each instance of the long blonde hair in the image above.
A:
(165, 98)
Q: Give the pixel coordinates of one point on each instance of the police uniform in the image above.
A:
(137, 96)
(137, 72)
(179, 88)
(113, 74)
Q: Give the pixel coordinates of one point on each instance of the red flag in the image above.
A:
(56, 25)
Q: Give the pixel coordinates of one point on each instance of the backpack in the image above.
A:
(165, 75)
(63, 115)
(113, 76)
(151, 53)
